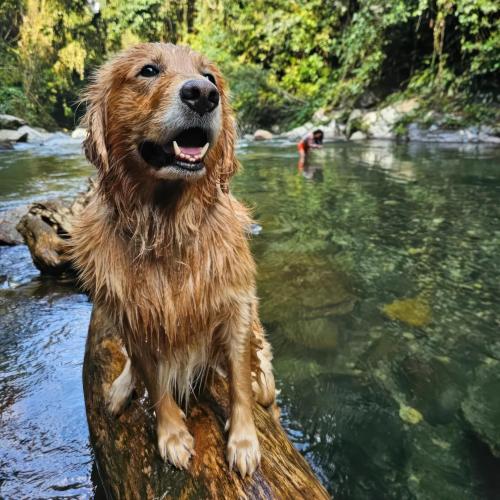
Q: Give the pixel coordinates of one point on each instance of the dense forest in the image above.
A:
(284, 59)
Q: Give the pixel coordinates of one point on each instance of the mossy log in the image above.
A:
(125, 447)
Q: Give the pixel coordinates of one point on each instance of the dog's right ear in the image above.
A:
(95, 143)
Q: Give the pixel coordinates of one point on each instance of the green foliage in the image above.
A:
(283, 58)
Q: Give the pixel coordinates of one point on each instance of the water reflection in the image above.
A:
(309, 170)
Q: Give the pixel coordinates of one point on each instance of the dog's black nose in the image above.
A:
(201, 96)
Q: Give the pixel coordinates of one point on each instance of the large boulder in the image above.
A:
(262, 135)
(358, 136)
(297, 133)
(489, 134)
(35, 135)
(333, 131)
(10, 136)
(8, 221)
(353, 123)
(11, 122)
(380, 124)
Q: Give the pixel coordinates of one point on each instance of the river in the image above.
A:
(379, 278)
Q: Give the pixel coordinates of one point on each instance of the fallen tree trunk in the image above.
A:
(126, 452)
(46, 228)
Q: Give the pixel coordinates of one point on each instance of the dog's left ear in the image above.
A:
(95, 144)
(228, 165)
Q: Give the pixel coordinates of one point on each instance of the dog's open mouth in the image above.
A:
(185, 151)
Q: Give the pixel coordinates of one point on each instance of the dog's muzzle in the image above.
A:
(185, 151)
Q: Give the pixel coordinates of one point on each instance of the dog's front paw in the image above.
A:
(176, 445)
(243, 451)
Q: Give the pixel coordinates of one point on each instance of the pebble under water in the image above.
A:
(379, 278)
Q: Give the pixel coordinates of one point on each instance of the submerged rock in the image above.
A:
(413, 312)
(481, 407)
(357, 440)
(434, 386)
(313, 299)
(439, 465)
(410, 415)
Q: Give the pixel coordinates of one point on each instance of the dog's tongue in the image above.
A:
(195, 151)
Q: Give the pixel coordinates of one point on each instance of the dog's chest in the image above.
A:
(184, 296)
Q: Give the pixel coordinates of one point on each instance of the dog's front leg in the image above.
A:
(175, 443)
(243, 449)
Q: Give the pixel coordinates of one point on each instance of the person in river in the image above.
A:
(312, 140)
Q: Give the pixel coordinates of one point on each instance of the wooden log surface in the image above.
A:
(47, 226)
(126, 451)
(125, 447)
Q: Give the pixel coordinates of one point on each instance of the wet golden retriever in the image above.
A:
(163, 246)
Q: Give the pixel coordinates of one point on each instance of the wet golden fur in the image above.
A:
(169, 259)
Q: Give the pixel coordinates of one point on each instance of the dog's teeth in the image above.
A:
(204, 150)
(177, 149)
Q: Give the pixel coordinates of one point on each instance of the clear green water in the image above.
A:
(397, 404)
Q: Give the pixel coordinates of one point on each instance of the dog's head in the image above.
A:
(159, 113)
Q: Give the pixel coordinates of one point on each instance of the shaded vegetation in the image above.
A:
(284, 59)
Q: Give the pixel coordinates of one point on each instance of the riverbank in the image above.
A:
(406, 120)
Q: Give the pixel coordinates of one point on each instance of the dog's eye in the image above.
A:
(210, 78)
(149, 70)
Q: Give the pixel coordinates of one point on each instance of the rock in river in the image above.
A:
(412, 311)
(482, 406)
(11, 122)
(8, 220)
(10, 136)
(262, 135)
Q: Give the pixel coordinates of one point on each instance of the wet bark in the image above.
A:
(125, 447)
(47, 227)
